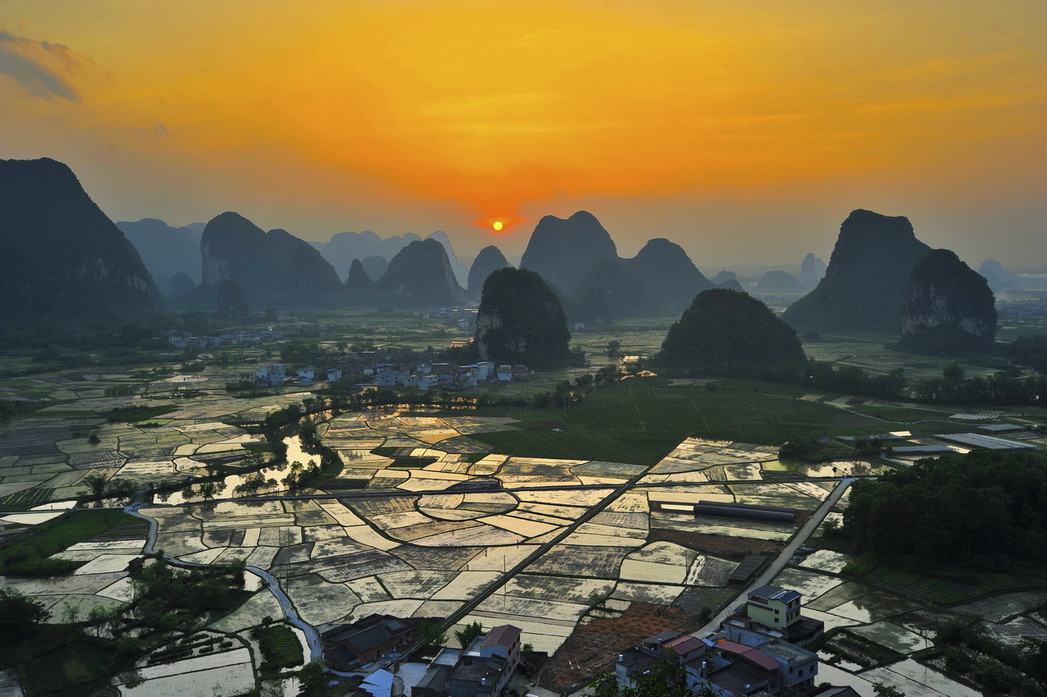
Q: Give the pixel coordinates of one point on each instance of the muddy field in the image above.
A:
(719, 545)
(592, 648)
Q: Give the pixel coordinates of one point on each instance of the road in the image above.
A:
(776, 566)
(311, 634)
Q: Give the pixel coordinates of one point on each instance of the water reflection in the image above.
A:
(263, 482)
(844, 468)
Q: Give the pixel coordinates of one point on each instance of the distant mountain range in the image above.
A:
(343, 247)
(276, 268)
(61, 257)
(578, 258)
(165, 250)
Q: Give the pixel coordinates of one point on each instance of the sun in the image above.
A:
(497, 225)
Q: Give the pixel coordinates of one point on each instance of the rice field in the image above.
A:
(431, 543)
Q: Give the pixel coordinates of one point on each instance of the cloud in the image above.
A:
(43, 68)
(157, 129)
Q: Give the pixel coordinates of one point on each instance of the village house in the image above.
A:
(731, 663)
(271, 373)
(483, 669)
(442, 375)
(771, 614)
(347, 647)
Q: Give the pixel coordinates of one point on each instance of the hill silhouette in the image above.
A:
(867, 278)
(271, 268)
(360, 290)
(667, 274)
(812, 270)
(61, 258)
(774, 282)
(949, 307)
(420, 275)
(489, 260)
(614, 292)
(561, 251)
(727, 333)
(520, 320)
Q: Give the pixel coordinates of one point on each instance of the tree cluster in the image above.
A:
(1000, 388)
(1030, 351)
(851, 379)
(979, 510)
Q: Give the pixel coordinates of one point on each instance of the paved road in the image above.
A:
(776, 566)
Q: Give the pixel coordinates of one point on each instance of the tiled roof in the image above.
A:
(750, 654)
(685, 644)
(505, 635)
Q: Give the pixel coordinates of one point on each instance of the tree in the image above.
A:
(882, 690)
(313, 681)
(19, 614)
(429, 634)
(614, 348)
(664, 679)
(471, 631)
(97, 484)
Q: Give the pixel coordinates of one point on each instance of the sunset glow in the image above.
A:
(663, 118)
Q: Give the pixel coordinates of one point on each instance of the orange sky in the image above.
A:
(744, 131)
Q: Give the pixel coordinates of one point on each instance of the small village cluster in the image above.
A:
(185, 340)
(422, 376)
(758, 651)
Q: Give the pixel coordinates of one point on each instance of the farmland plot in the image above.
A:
(810, 585)
(711, 571)
(893, 636)
(426, 553)
(231, 672)
(581, 561)
(915, 678)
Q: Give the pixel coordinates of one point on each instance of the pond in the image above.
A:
(227, 487)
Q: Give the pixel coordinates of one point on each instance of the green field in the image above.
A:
(641, 421)
(951, 586)
(25, 499)
(29, 551)
(903, 415)
(280, 647)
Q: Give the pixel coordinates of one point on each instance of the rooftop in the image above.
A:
(505, 635)
(774, 593)
(755, 656)
(685, 644)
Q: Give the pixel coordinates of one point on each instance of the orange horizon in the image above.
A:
(663, 118)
